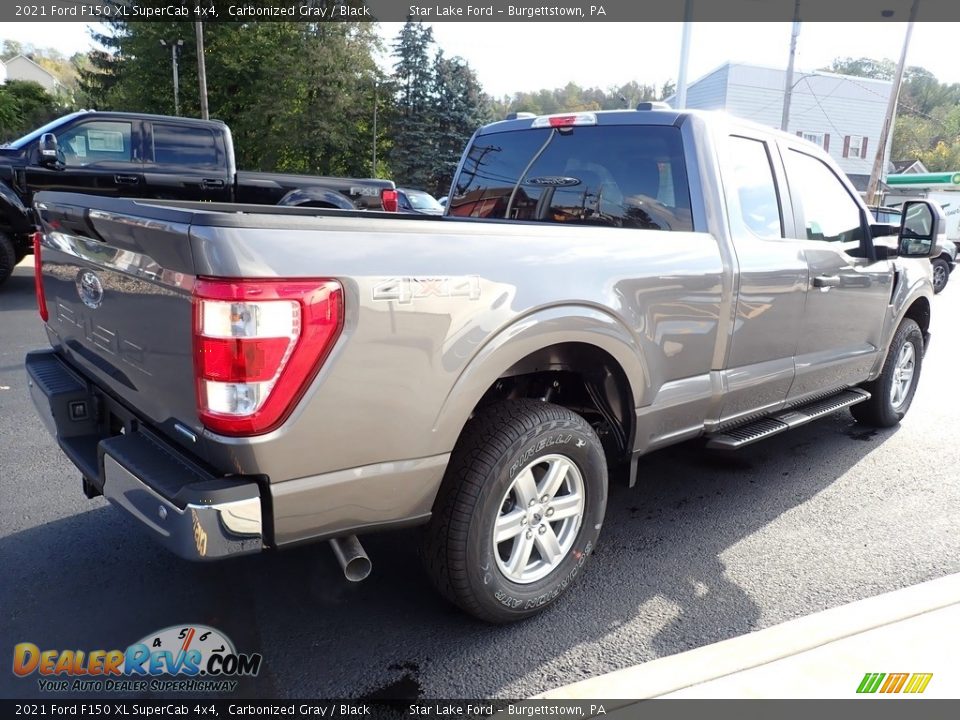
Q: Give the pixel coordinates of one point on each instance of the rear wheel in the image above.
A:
(892, 393)
(8, 257)
(519, 511)
(941, 274)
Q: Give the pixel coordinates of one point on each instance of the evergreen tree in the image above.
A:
(460, 107)
(413, 126)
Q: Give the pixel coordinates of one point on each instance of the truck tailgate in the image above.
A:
(118, 290)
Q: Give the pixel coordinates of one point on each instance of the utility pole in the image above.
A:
(202, 72)
(788, 90)
(174, 53)
(891, 115)
(681, 97)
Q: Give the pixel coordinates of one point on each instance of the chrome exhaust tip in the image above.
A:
(352, 558)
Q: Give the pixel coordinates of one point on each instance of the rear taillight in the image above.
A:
(38, 277)
(388, 199)
(257, 345)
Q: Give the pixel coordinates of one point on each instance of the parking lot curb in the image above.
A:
(710, 662)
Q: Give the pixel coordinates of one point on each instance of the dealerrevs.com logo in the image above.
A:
(185, 658)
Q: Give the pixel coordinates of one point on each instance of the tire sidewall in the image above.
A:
(501, 597)
(8, 257)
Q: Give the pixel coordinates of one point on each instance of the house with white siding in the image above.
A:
(23, 68)
(842, 114)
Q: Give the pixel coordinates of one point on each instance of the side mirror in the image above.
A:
(920, 228)
(49, 151)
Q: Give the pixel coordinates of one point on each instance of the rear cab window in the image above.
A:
(630, 176)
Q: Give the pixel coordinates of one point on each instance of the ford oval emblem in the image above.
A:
(89, 288)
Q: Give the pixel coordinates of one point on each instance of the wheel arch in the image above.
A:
(919, 312)
(582, 358)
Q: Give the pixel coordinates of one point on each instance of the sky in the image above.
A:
(523, 56)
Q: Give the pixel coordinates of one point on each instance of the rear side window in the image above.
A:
(630, 176)
(179, 145)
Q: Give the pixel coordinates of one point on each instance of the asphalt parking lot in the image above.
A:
(709, 546)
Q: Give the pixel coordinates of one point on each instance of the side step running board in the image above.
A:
(741, 435)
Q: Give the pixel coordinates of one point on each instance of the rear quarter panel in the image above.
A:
(437, 309)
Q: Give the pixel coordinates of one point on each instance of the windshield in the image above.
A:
(422, 201)
(51, 126)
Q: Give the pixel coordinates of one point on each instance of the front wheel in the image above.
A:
(519, 511)
(892, 393)
(941, 274)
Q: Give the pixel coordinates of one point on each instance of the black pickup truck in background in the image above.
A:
(151, 156)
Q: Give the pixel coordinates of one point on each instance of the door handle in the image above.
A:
(127, 179)
(826, 281)
(212, 183)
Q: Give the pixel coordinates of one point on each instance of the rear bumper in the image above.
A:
(186, 508)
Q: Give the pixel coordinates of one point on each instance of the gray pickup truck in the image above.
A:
(240, 379)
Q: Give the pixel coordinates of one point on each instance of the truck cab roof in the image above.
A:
(59, 122)
(646, 113)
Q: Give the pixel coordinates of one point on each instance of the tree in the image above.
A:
(572, 98)
(413, 140)
(10, 49)
(460, 107)
(669, 88)
(25, 105)
(863, 67)
(297, 96)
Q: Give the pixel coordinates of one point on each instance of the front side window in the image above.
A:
(829, 212)
(179, 145)
(98, 141)
(631, 176)
(756, 189)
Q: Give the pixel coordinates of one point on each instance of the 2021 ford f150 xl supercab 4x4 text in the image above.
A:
(151, 156)
(240, 379)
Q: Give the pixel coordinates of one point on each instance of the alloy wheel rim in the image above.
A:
(939, 277)
(539, 518)
(903, 373)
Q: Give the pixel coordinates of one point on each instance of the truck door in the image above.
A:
(847, 292)
(101, 157)
(759, 368)
(186, 162)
